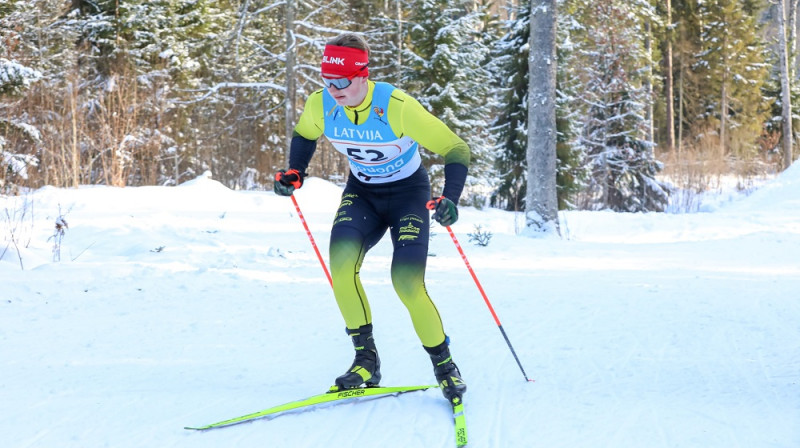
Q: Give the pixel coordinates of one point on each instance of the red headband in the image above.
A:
(344, 62)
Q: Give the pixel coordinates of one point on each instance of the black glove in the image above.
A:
(287, 181)
(445, 211)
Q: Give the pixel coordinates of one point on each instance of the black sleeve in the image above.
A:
(300, 152)
(455, 175)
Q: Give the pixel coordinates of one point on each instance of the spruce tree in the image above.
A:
(732, 66)
(35, 46)
(620, 158)
(14, 80)
(511, 123)
(446, 70)
(571, 171)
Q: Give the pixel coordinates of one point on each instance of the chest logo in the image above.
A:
(369, 135)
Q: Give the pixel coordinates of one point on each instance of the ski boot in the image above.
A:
(366, 368)
(446, 371)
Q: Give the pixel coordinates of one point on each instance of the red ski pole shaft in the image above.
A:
(311, 238)
(431, 205)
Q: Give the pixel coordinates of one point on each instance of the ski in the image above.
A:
(348, 394)
(460, 422)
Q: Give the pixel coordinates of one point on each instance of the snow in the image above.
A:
(176, 306)
(12, 72)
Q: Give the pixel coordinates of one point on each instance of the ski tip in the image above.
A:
(202, 428)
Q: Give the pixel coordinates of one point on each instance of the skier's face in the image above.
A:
(352, 95)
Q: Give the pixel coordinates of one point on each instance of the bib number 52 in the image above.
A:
(366, 155)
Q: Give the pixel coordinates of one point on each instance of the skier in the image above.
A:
(380, 129)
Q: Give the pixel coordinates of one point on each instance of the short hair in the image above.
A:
(351, 40)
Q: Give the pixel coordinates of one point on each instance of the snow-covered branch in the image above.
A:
(235, 85)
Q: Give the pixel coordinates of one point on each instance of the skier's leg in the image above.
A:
(410, 235)
(356, 229)
(408, 278)
(347, 250)
(350, 240)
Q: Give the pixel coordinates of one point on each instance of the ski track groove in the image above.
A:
(497, 422)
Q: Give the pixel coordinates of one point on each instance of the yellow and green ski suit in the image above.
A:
(387, 188)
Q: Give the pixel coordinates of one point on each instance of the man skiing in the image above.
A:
(380, 129)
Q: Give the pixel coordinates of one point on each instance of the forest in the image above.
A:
(653, 97)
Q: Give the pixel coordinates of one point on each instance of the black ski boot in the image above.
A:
(446, 371)
(366, 368)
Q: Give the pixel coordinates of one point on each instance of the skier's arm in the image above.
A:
(308, 129)
(408, 117)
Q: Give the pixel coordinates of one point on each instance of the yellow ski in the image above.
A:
(348, 394)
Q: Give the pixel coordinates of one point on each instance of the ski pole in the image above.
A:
(432, 205)
(311, 238)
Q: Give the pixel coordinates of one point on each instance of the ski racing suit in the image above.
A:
(387, 188)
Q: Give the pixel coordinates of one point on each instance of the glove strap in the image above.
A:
(292, 176)
(431, 205)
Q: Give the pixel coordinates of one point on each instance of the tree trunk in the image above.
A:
(291, 90)
(399, 13)
(680, 108)
(541, 202)
(682, 64)
(648, 84)
(668, 81)
(786, 101)
(75, 152)
(723, 103)
(723, 113)
(793, 37)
